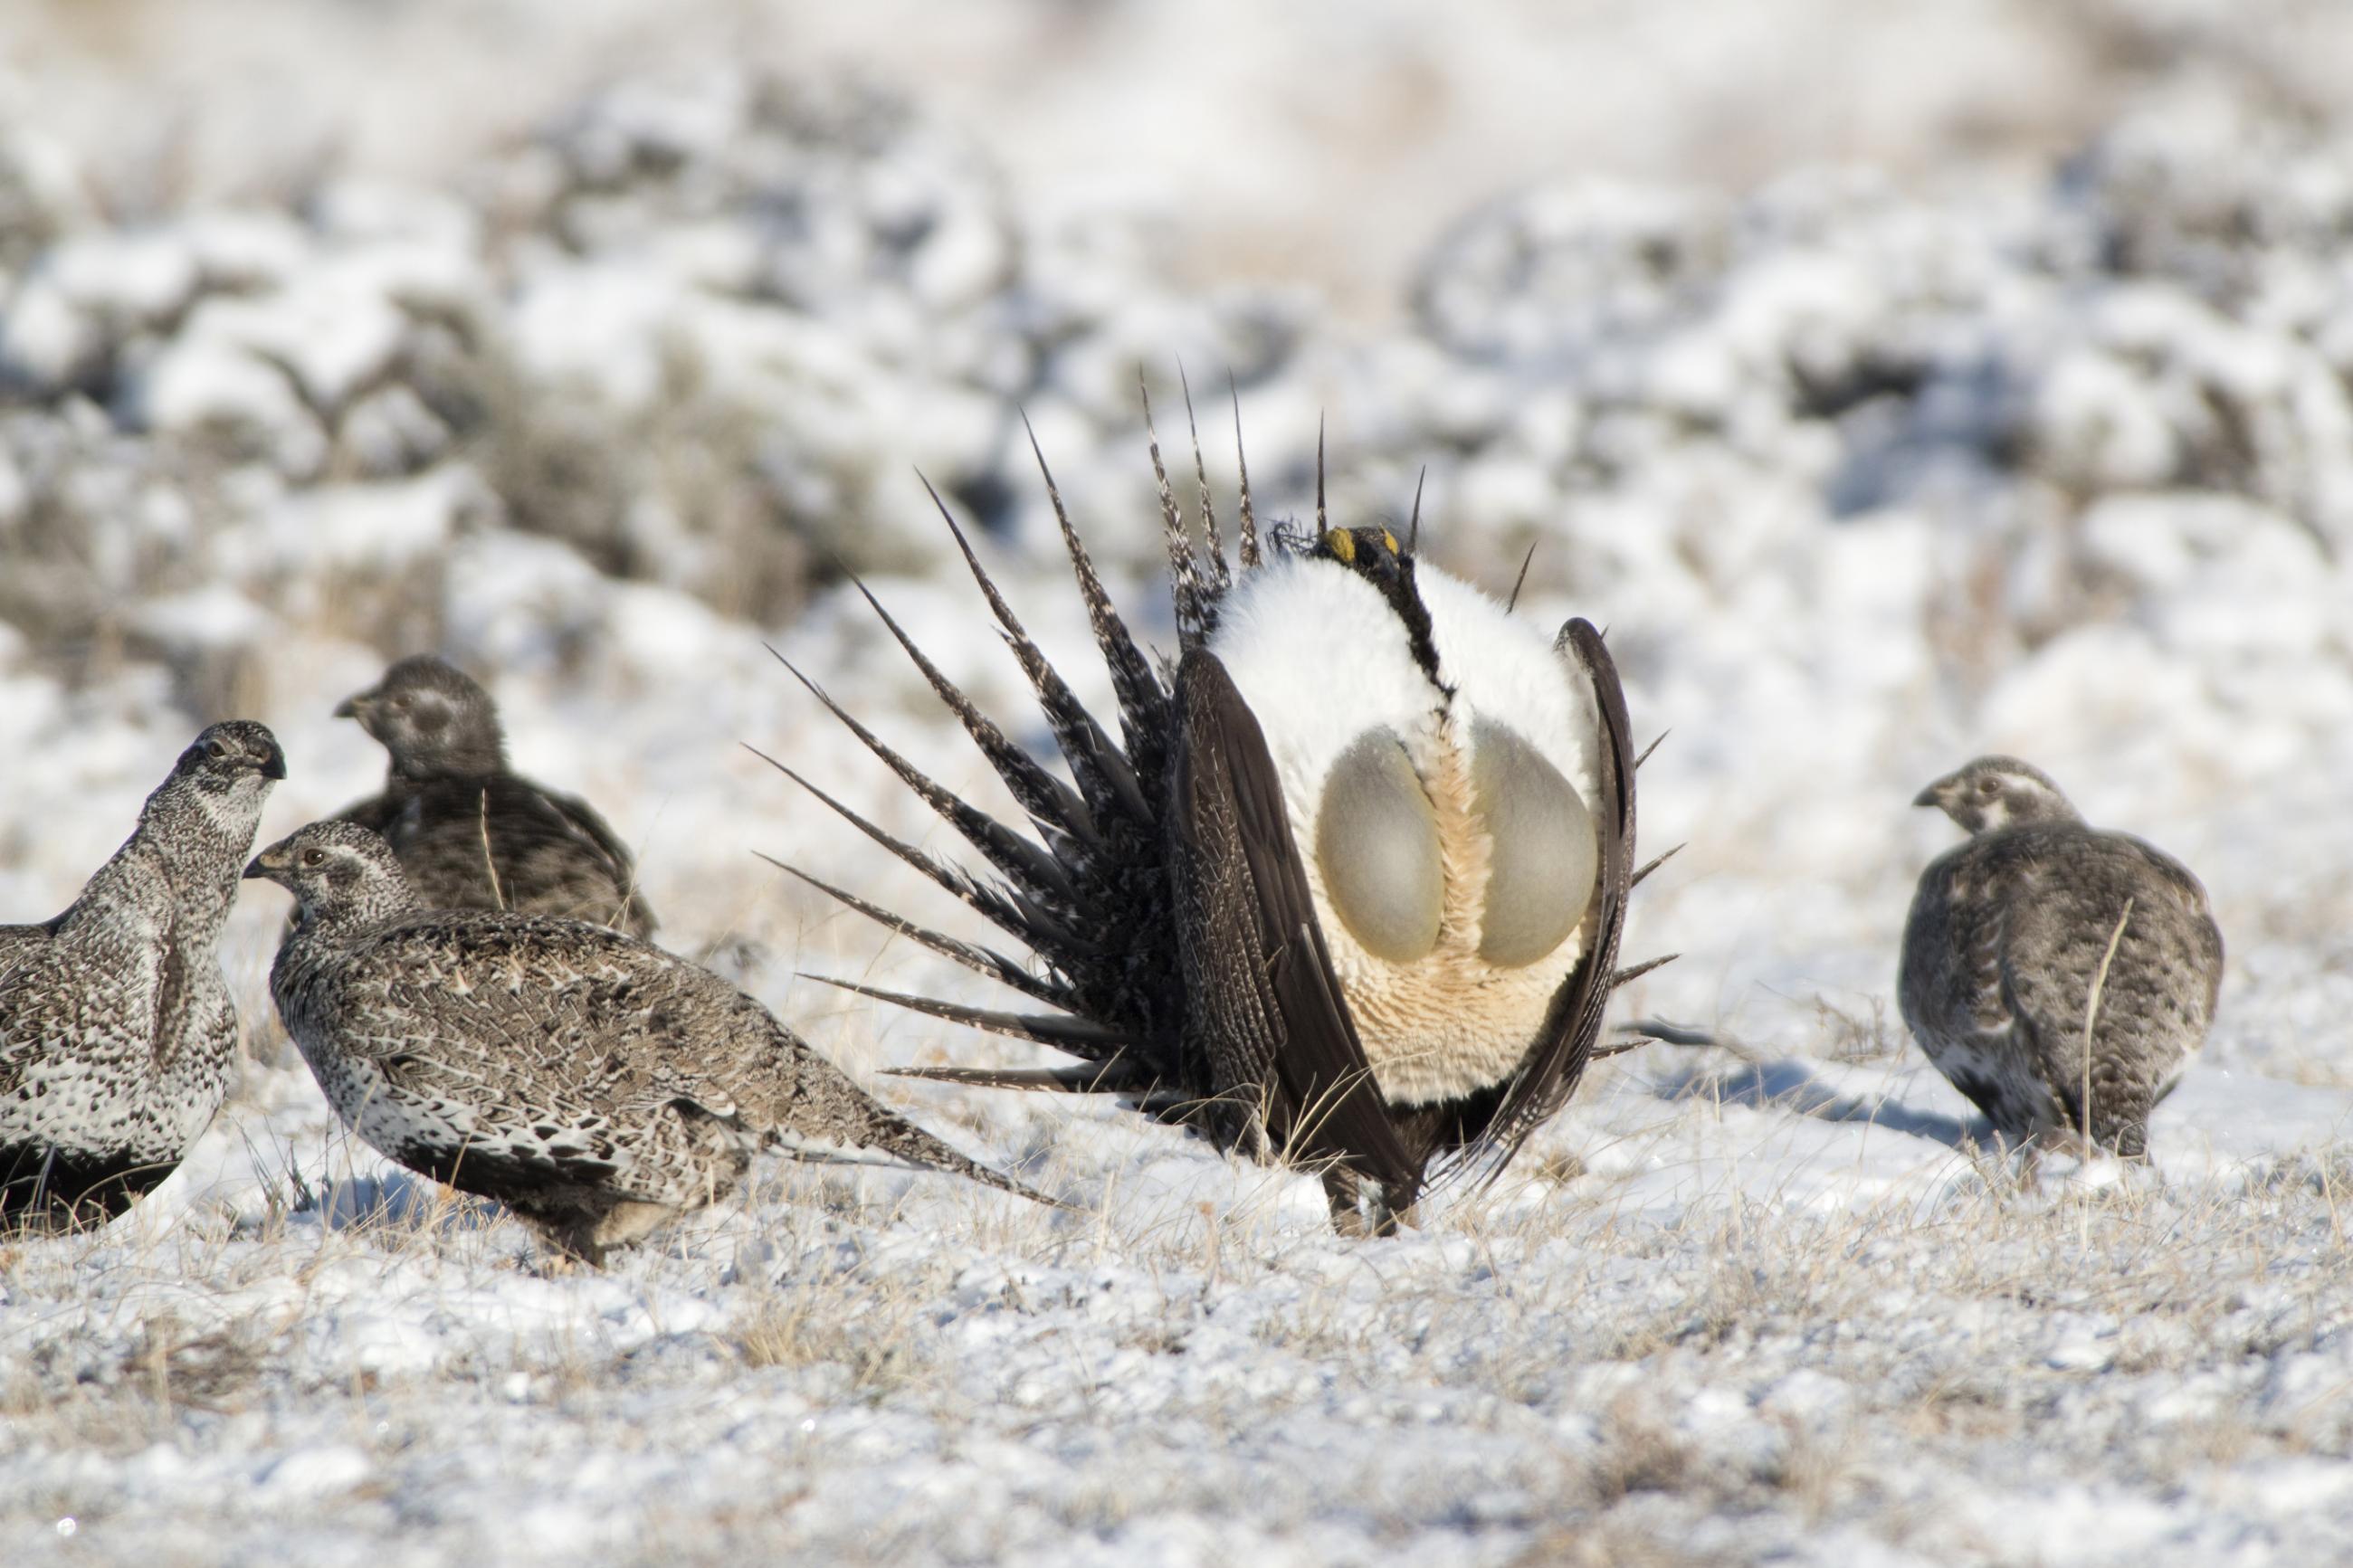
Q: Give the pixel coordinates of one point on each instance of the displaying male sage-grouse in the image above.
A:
(2039, 937)
(470, 834)
(116, 1025)
(1350, 891)
(596, 1085)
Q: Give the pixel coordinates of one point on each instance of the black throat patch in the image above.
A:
(1373, 554)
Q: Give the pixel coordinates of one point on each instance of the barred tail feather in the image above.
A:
(1143, 699)
(1102, 771)
(1183, 568)
(1248, 545)
(1221, 573)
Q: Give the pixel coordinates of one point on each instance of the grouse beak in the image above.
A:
(273, 762)
(359, 705)
(266, 866)
(1928, 797)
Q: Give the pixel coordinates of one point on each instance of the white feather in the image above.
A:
(1508, 670)
(1320, 657)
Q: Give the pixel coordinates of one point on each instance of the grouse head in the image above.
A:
(342, 876)
(1375, 555)
(206, 811)
(238, 753)
(435, 719)
(1994, 793)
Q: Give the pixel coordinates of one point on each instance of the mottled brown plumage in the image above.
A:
(596, 1085)
(470, 832)
(2009, 936)
(116, 1025)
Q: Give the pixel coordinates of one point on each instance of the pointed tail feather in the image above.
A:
(1251, 559)
(1221, 573)
(1103, 772)
(1633, 973)
(795, 1097)
(1117, 1076)
(1028, 865)
(1651, 865)
(1050, 802)
(1184, 567)
(1147, 1096)
(1003, 907)
(980, 960)
(888, 1133)
(1143, 699)
(1076, 1035)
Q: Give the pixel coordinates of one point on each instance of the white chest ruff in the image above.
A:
(1323, 661)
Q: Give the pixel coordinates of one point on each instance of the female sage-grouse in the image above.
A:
(1349, 891)
(116, 1025)
(596, 1085)
(2046, 961)
(472, 834)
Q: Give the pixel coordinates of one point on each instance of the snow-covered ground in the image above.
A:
(1865, 472)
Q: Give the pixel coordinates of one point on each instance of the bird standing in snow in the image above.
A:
(596, 1085)
(2058, 975)
(1349, 892)
(470, 834)
(116, 1023)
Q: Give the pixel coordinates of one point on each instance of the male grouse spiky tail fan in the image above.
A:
(1348, 892)
(116, 1025)
(592, 1083)
(2047, 963)
(471, 833)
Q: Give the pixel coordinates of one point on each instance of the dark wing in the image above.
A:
(2108, 939)
(1273, 1013)
(501, 842)
(171, 1000)
(543, 1012)
(2200, 939)
(376, 812)
(1548, 1074)
(23, 977)
(592, 830)
(21, 944)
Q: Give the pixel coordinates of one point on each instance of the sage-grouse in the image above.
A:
(116, 1025)
(596, 1085)
(1349, 889)
(2041, 937)
(470, 834)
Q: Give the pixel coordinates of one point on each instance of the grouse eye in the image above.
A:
(400, 703)
(215, 750)
(1989, 786)
(314, 857)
